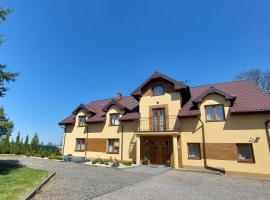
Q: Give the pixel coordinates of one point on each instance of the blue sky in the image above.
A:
(71, 52)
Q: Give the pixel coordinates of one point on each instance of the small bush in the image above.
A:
(95, 161)
(56, 157)
(126, 162)
(115, 164)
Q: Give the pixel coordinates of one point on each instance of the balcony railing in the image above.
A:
(167, 124)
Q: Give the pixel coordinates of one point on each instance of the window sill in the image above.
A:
(246, 161)
(112, 153)
(215, 120)
(190, 158)
(79, 150)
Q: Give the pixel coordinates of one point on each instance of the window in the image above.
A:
(113, 146)
(82, 120)
(214, 113)
(114, 119)
(194, 151)
(80, 144)
(245, 153)
(158, 90)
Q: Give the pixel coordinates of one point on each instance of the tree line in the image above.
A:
(20, 146)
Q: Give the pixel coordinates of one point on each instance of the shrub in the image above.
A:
(56, 157)
(95, 161)
(115, 164)
(127, 162)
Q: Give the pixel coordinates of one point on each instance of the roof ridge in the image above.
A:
(108, 99)
(211, 84)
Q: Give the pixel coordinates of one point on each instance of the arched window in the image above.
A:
(158, 90)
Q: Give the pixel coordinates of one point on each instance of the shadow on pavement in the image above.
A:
(7, 166)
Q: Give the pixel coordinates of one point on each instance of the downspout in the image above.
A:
(86, 141)
(122, 142)
(204, 151)
(267, 134)
(203, 140)
(64, 141)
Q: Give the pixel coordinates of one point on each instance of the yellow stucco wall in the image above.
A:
(235, 129)
(172, 99)
(101, 130)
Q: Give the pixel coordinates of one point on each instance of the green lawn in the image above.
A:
(16, 179)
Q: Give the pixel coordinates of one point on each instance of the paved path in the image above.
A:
(77, 181)
(148, 169)
(193, 185)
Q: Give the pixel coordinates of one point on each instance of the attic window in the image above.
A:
(82, 120)
(158, 90)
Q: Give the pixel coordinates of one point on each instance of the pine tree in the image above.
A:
(17, 144)
(12, 147)
(5, 145)
(5, 76)
(35, 144)
(22, 147)
(26, 146)
(6, 126)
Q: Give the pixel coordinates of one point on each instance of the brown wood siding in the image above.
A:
(220, 151)
(96, 144)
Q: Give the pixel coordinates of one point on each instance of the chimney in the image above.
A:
(118, 96)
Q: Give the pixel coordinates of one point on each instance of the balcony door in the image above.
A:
(159, 123)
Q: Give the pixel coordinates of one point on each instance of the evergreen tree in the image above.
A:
(5, 76)
(26, 146)
(6, 126)
(17, 144)
(22, 147)
(5, 145)
(12, 147)
(35, 144)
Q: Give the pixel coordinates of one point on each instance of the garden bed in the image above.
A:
(110, 163)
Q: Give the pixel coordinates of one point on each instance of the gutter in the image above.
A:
(267, 134)
(204, 152)
(63, 127)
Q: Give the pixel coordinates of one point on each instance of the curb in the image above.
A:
(200, 171)
(34, 191)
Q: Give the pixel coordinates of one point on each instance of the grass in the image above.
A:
(16, 179)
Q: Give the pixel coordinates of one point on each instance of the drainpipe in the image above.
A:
(63, 127)
(267, 134)
(86, 141)
(122, 142)
(204, 151)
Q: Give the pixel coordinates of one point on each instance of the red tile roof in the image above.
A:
(178, 85)
(130, 116)
(99, 106)
(248, 97)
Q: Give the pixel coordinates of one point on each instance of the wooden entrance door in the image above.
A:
(157, 149)
(159, 123)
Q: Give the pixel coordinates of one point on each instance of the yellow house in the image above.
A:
(222, 126)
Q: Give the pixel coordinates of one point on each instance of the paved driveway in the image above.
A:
(193, 185)
(77, 181)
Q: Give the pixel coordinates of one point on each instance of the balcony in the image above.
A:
(166, 124)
